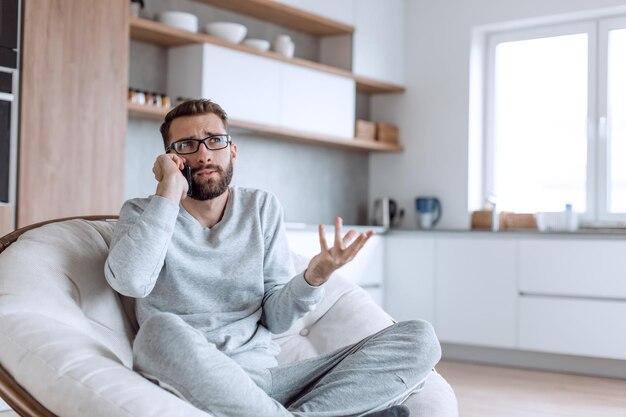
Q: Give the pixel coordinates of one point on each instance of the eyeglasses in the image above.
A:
(189, 146)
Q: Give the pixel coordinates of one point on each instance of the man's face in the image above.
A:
(211, 170)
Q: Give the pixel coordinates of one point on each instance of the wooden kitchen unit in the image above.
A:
(158, 114)
(7, 219)
(72, 112)
(156, 33)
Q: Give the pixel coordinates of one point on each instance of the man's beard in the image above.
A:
(211, 188)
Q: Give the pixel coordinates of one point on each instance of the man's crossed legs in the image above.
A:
(371, 375)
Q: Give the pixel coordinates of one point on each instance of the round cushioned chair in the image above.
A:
(66, 336)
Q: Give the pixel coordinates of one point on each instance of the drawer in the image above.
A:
(587, 268)
(574, 327)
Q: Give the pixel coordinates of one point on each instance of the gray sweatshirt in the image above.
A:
(232, 282)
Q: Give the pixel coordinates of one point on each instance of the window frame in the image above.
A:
(598, 162)
(604, 217)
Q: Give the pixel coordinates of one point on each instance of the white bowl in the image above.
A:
(228, 31)
(260, 44)
(179, 20)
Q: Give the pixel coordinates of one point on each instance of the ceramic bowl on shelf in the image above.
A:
(228, 31)
(179, 20)
(260, 44)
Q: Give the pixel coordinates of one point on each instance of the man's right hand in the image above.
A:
(172, 183)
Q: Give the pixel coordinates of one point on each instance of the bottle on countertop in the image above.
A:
(571, 219)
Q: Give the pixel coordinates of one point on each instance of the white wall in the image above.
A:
(433, 113)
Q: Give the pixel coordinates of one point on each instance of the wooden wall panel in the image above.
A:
(7, 219)
(73, 108)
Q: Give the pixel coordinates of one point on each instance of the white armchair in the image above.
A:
(66, 336)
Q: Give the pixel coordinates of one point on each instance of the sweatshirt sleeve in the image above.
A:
(139, 244)
(285, 300)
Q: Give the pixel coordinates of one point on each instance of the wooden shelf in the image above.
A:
(141, 111)
(284, 15)
(158, 113)
(145, 30)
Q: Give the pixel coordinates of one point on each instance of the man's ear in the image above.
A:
(233, 151)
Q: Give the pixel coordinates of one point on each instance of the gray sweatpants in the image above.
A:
(379, 371)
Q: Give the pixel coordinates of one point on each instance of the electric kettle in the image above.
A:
(386, 213)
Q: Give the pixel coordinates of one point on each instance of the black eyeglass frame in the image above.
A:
(198, 142)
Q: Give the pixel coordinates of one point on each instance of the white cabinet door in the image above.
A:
(410, 277)
(261, 90)
(476, 294)
(587, 268)
(247, 86)
(339, 10)
(367, 269)
(575, 327)
(318, 102)
(378, 49)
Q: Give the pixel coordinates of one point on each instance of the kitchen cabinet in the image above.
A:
(581, 267)
(571, 326)
(193, 71)
(571, 293)
(476, 291)
(366, 269)
(410, 277)
(528, 292)
(317, 102)
(72, 125)
(275, 93)
(298, 17)
(156, 33)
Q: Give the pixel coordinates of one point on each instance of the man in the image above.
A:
(213, 279)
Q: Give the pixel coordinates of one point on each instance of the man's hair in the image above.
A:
(191, 108)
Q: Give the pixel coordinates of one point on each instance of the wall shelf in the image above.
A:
(149, 31)
(158, 113)
(284, 15)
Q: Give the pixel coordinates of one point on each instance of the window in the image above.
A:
(555, 117)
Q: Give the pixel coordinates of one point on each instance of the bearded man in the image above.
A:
(213, 277)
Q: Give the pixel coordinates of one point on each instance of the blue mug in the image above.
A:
(429, 211)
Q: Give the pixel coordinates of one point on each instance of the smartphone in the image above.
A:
(187, 174)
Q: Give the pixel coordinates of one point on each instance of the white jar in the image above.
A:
(283, 45)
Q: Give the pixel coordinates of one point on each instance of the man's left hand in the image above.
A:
(329, 260)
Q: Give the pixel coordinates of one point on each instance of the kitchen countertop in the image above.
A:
(308, 227)
(603, 233)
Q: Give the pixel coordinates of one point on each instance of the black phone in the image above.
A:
(187, 174)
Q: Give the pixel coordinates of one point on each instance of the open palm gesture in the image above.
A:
(329, 260)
